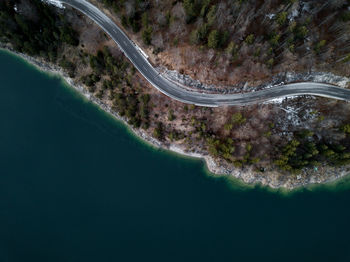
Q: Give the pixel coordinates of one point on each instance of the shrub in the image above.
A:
(250, 39)
(213, 39)
(147, 35)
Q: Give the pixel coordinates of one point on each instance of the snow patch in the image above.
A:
(306, 7)
(293, 15)
(279, 100)
(295, 114)
(56, 3)
(271, 16)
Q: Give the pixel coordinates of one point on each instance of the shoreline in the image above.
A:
(217, 168)
(53, 69)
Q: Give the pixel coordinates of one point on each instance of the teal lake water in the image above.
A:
(75, 185)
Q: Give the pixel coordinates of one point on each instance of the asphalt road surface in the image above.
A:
(176, 91)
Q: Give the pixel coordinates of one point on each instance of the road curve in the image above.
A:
(177, 92)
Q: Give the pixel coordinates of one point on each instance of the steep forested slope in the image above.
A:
(230, 41)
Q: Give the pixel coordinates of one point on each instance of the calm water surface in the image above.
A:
(75, 185)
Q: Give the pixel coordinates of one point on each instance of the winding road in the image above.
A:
(176, 91)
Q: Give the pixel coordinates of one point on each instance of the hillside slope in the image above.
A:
(225, 42)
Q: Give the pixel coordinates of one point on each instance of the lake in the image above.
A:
(76, 185)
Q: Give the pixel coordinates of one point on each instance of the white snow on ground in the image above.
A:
(299, 8)
(306, 7)
(56, 3)
(293, 15)
(271, 16)
(276, 100)
(295, 115)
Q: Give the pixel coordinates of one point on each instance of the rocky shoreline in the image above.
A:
(271, 178)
